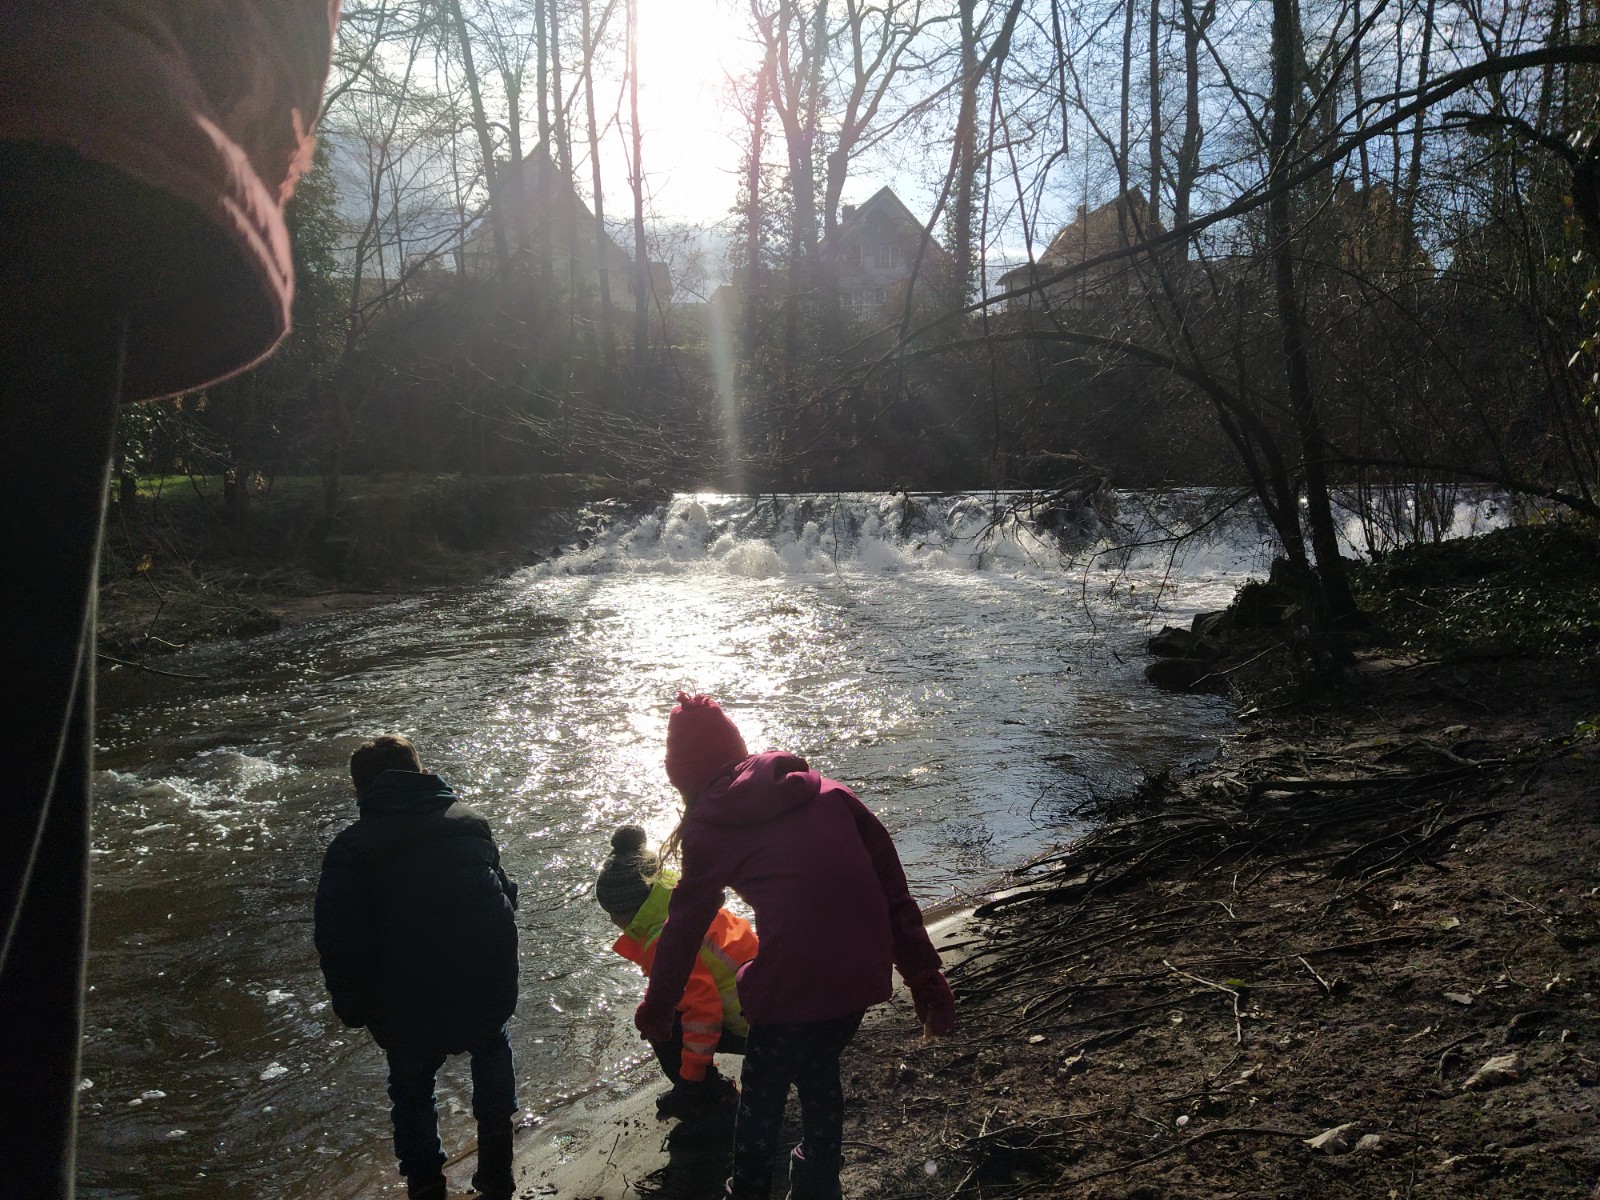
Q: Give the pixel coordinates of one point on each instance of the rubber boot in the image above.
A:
(425, 1187)
(810, 1180)
(493, 1178)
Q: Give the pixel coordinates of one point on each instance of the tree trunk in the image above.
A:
(1549, 89)
(966, 159)
(1333, 585)
(480, 122)
(539, 201)
(754, 213)
(513, 118)
(562, 193)
(1188, 167)
(1153, 213)
(805, 183)
(1414, 170)
(1125, 105)
(541, 37)
(641, 258)
(1358, 96)
(608, 349)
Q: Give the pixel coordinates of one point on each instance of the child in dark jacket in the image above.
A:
(416, 933)
(834, 916)
(635, 893)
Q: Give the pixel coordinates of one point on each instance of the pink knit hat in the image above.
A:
(700, 742)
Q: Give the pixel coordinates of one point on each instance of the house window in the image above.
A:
(861, 303)
(884, 256)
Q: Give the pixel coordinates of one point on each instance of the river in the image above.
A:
(974, 680)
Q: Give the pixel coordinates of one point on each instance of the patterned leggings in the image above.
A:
(775, 1056)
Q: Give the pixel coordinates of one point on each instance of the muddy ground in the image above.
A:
(1381, 920)
(142, 619)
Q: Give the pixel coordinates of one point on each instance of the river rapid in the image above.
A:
(975, 676)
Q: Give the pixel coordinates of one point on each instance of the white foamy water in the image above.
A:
(974, 675)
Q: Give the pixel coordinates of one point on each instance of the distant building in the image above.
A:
(1371, 231)
(871, 254)
(1113, 226)
(534, 201)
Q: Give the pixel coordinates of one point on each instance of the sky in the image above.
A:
(687, 50)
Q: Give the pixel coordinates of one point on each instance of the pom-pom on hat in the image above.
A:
(623, 885)
(700, 742)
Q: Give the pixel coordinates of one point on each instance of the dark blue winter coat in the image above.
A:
(415, 923)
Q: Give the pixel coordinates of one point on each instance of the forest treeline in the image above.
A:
(1319, 246)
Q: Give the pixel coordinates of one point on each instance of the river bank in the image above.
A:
(1354, 956)
(201, 560)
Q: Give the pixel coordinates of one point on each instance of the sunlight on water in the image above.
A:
(974, 674)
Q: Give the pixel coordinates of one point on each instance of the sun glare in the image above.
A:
(687, 51)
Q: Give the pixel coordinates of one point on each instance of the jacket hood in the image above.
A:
(653, 912)
(405, 792)
(758, 789)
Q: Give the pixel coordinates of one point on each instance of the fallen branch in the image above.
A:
(147, 668)
(1408, 782)
(1238, 1026)
(1398, 939)
(1321, 982)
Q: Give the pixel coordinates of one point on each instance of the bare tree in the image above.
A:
(641, 256)
(878, 49)
(480, 123)
(1286, 84)
(593, 34)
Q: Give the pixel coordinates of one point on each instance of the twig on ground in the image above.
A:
(1238, 1026)
(1321, 982)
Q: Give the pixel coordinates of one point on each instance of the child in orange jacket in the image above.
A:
(708, 1018)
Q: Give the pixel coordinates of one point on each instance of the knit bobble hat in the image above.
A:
(700, 742)
(623, 886)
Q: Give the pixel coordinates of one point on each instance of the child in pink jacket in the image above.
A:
(833, 914)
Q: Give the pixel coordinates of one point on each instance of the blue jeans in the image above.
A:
(806, 1055)
(416, 1120)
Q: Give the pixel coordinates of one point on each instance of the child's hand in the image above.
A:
(934, 1001)
(653, 1021)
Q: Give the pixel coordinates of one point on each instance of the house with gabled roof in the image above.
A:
(536, 201)
(871, 254)
(1115, 225)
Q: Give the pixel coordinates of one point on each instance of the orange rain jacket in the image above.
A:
(710, 1001)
